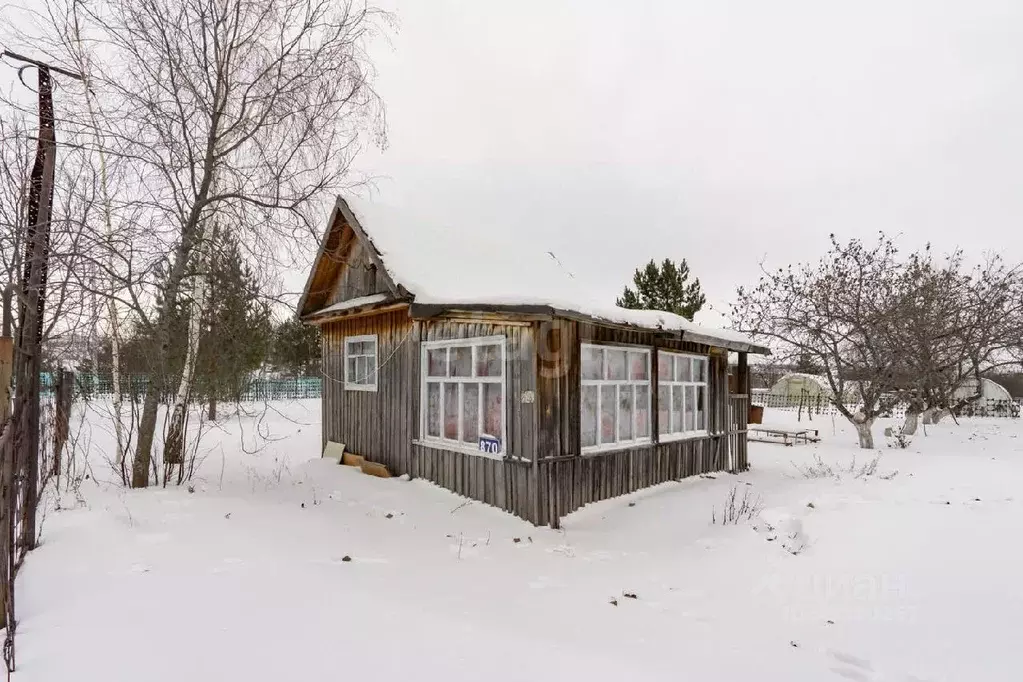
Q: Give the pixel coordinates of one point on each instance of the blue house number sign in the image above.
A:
(490, 445)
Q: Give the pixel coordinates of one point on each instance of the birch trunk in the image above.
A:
(174, 451)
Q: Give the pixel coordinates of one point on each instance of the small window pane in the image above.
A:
(360, 348)
(461, 361)
(607, 414)
(642, 411)
(664, 367)
(626, 415)
(471, 413)
(488, 361)
(701, 408)
(664, 409)
(683, 370)
(350, 370)
(493, 411)
(451, 411)
(616, 366)
(676, 409)
(433, 410)
(437, 360)
(360, 370)
(593, 363)
(690, 408)
(637, 366)
(589, 416)
(700, 369)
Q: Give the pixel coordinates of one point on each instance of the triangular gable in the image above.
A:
(342, 236)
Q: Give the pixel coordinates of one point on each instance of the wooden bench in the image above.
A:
(766, 434)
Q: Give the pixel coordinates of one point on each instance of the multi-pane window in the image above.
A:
(361, 363)
(681, 394)
(615, 396)
(464, 393)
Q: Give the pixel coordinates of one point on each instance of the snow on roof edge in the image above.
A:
(351, 303)
(644, 319)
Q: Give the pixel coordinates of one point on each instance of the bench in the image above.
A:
(767, 434)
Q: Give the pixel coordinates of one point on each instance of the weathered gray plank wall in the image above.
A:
(506, 484)
(358, 276)
(376, 424)
(545, 478)
(568, 480)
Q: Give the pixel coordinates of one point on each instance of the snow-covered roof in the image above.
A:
(352, 304)
(473, 266)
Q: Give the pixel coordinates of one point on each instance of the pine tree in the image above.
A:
(236, 327)
(664, 288)
(295, 348)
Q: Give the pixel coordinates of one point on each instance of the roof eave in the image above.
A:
(322, 317)
(428, 310)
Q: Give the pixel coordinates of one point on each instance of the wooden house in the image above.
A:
(452, 357)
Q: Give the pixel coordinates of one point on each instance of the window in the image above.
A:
(681, 394)
(464, 394)
(361, 363)
(615, 396)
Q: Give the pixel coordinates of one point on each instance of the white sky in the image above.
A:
(723, 132)
(726, 132)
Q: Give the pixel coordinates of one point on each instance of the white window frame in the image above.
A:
(618, 383)
(350, 382)
(425, 380)
(676, 434)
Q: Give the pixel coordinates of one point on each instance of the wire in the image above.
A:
(377, 370)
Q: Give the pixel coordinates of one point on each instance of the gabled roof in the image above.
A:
(478, 269)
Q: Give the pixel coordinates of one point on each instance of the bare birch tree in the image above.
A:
(271, 99)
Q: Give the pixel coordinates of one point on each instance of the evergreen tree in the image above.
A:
(236, 327)
(295, 348)
(664, 288)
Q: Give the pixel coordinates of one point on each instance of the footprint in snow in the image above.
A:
(855, 668)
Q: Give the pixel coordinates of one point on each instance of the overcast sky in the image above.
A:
(726, 132)
(722, 132)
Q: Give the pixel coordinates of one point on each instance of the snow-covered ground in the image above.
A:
(281, 566)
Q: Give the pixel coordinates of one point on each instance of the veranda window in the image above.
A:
(681, 395)
(463, 400)
(361, 363)
(615, 396)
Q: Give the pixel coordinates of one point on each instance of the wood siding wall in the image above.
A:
(377, 424)
(508, 484)
(358, 276)
(568, 480)
(545, 477)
